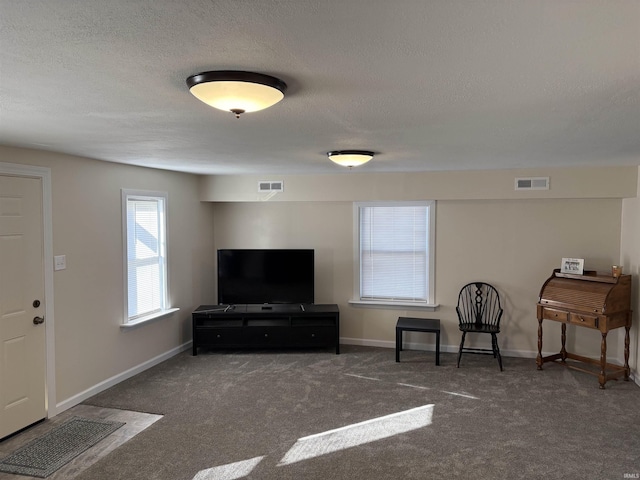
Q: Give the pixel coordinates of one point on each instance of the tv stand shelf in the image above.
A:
(262, 326)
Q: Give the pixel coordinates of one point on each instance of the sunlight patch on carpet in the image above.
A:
(419, 387)
(358, 434)
(231, 471)
(362, 376)
(461, 395)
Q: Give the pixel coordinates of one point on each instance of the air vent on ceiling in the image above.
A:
(532, 183)
(265, 186)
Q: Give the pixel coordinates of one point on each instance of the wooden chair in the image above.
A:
(479, 311)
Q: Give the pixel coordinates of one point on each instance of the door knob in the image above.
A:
(38, 320)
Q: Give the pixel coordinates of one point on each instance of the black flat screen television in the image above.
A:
(261, 276)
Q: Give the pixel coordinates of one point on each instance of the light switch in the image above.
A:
(59, 262)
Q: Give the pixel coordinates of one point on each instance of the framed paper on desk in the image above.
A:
(572, 265)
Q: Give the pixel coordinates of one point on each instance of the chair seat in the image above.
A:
(472, 327)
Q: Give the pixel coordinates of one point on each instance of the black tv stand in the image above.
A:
(271, 325)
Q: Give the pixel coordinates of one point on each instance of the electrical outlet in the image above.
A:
(60, 262)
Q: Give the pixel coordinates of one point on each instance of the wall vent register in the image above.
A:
(265, 186)
(532, 183)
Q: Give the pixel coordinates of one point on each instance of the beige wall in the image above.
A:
(513, 244)
(90, 346)
(591, 182)
(484, 230)
(630, 260)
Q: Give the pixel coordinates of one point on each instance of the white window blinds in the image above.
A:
(146, 262)
(394, 252)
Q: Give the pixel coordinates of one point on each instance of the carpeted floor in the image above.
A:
(243, 411)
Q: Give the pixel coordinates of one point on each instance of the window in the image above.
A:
(144, 222)
(395, 251)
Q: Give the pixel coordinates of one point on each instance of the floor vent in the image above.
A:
(270, 186)
(532, 183)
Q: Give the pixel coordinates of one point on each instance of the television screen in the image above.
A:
(265, 276)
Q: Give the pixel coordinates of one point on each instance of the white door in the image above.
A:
(22, 336)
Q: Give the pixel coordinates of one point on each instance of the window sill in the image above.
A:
(429, 307)
(150, 318)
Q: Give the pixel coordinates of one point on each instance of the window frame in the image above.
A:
(165, 307)
(430, 304)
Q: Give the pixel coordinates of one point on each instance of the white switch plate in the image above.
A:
(59, 262)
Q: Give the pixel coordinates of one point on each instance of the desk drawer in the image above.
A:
(552, 314)
(266, 336)
(313, 335)
(218, 336)
(585, 320)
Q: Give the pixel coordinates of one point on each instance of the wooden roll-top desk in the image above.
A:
(597, 301)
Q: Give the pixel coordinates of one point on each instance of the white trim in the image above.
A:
(44, 174)
(121, 377)
(431, 347)
(428, 307)
(149, 318)
(431, 274)
(166, 303)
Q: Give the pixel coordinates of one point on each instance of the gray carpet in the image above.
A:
(242, 414)
(43, 456)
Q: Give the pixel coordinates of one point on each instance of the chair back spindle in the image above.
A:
(479, 304)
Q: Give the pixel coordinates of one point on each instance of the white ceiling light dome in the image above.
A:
(236, 91)
(350, 158)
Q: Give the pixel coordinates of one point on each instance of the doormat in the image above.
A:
(43, 456)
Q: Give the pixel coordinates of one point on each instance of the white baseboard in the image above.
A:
(430, 347)
(110, 382)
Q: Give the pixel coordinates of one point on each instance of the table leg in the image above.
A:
(539, 357)
(626, 353)
(398, 343)
(563, 350)
(603, 360)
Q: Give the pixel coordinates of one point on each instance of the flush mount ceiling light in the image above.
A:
(350, 158)
(236, 92)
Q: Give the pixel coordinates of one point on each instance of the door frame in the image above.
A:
(44, 174)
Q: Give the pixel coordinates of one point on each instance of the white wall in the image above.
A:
(90, 346)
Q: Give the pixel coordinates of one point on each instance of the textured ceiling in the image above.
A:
(430, 85)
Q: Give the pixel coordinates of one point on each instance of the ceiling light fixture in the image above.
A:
(350, 158)
(236, 92)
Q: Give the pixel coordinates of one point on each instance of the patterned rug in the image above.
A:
(43, 456)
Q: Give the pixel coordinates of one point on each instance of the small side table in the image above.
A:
(408, 324)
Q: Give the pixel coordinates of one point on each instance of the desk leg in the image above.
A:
(603, 360)
(563, 350)
(626, 353)
(539, 357)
